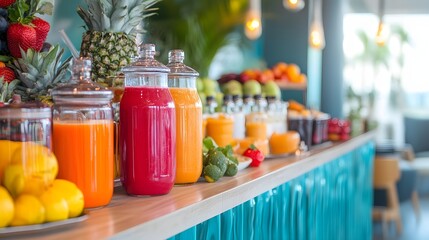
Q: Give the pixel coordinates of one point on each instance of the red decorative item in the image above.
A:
(256, 155)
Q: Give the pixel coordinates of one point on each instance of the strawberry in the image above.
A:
(256, 155)
(7, 74)
(6, 3)
(42, 28)
(20, 36)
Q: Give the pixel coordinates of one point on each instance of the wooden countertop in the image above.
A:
(160, 217)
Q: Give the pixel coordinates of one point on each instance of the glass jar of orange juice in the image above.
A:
(83, 135)
(182, 83)
(256, 121)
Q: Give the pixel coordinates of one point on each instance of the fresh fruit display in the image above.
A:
(111, 29)
(22, 38)
(26, 31)
(29, 192)
(280, 72)
(338, 129)
(282, 143)
(39, 73)
(255, 154)
(218, 161)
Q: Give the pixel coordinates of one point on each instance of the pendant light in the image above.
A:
(253, 23)
(382, 31)
(316, 34)
(294, 5)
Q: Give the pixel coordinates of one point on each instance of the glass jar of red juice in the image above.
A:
(147, 134)
(182, 82)
(83, 135)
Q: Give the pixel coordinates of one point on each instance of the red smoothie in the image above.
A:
(147, 140)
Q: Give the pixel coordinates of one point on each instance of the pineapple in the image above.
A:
(112, 27)
(39, 73)
(6, 90)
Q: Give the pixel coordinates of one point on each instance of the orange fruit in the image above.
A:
(293, 72)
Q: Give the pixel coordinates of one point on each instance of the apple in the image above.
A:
(210, 86)
(200, 85)
(252, 88)
(271, 89)
(265, 76)
(233, 87)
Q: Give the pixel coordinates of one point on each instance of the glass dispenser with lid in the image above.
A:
(83, 134)
(182, 84)
(148, 127)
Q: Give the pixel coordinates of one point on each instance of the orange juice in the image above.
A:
(189, 116)
(204, 127)
(257, 130)
(221, 129)
(84, 151)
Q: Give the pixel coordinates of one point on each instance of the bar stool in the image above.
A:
(386, 175)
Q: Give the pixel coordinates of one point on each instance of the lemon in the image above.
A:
(7, 148)
(71, 194)
(14, 179)
(6, 206)
(32, 168)
(56, 207)
(28, 210)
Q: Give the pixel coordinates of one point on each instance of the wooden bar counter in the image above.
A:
(162, 217)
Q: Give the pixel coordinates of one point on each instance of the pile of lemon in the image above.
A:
(29, 190)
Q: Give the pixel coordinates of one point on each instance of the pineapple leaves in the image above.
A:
(38, 72)
(116, 15)
(119, 14)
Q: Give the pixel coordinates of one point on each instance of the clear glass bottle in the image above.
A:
(182, 84)
(248, 103)
(83, 134)
(239, 118)
(256, 121)
(147, 133)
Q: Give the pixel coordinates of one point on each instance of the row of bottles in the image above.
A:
(254, 117)
(159, 143)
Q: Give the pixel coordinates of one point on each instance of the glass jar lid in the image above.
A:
(176, 65)
(146, 61)
(81, 89)
(33, 110)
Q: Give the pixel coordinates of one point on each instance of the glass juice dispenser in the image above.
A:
(83, 135)
(147, 135)
(182, 85)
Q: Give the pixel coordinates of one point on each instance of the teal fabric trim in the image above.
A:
(333, 201)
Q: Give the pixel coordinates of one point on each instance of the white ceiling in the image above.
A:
(391, 6)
